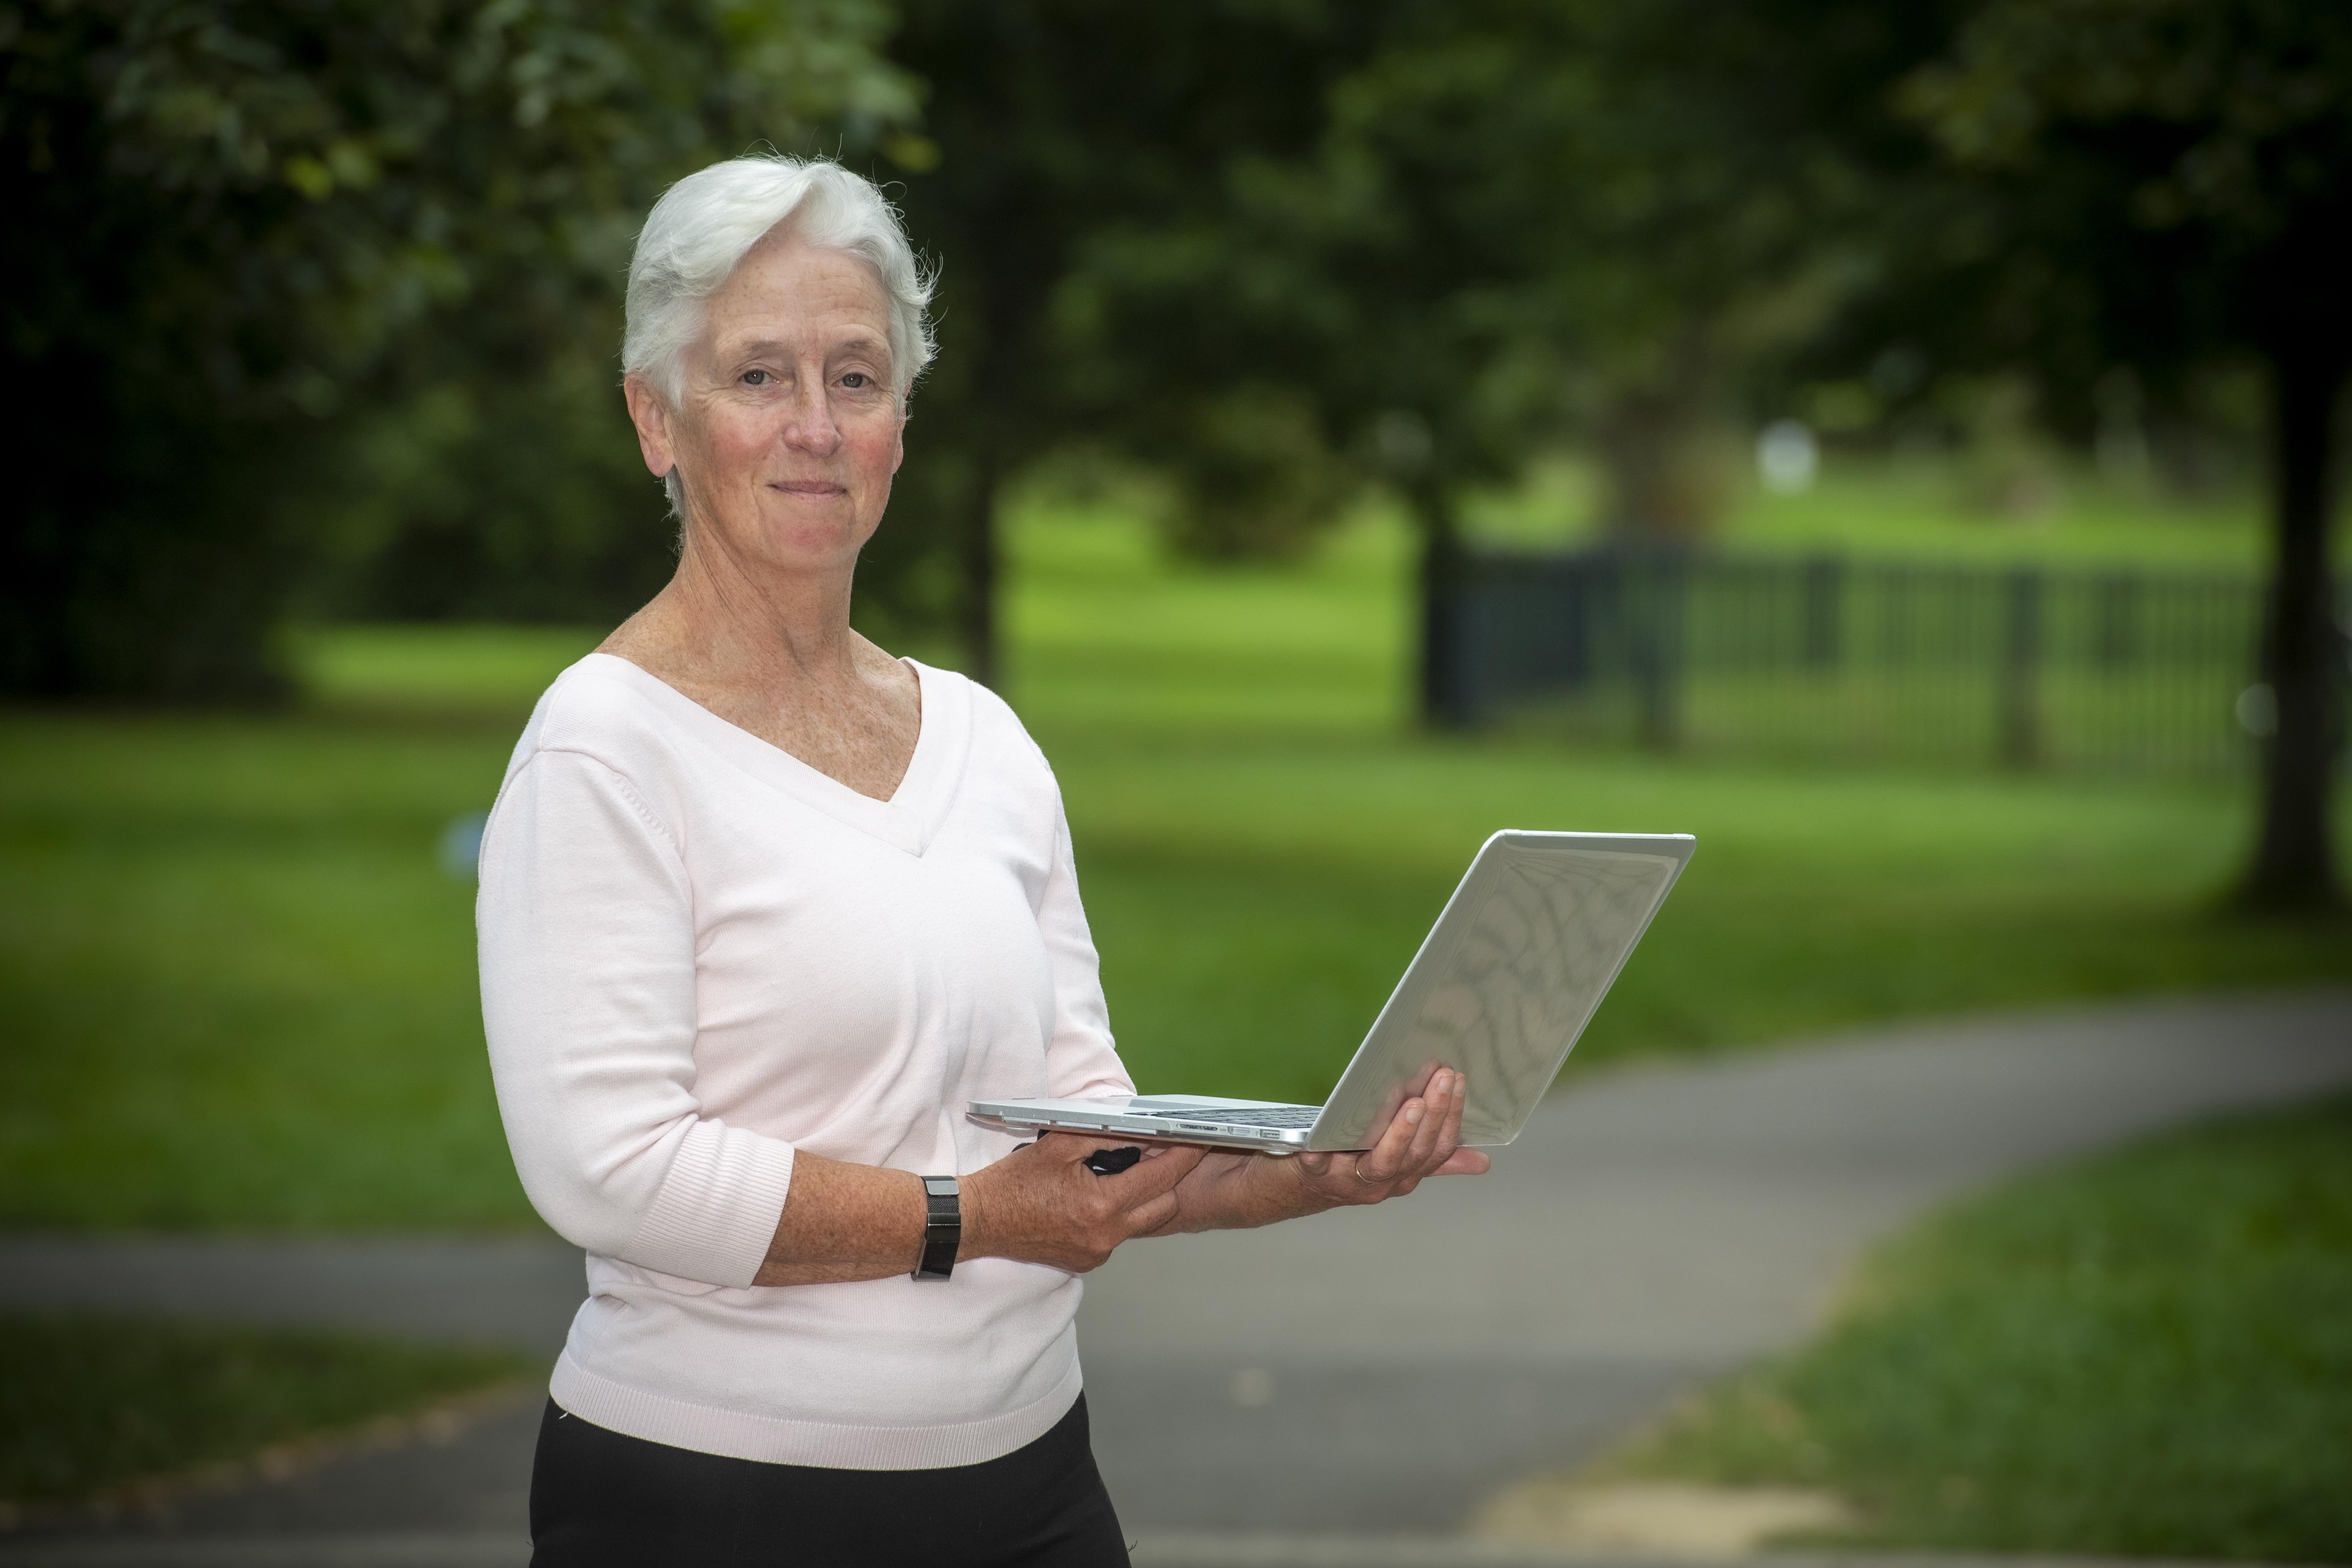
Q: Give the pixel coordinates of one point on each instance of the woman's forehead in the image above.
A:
(786, 289)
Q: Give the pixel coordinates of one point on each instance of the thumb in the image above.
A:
(1149, 1178)
(1067, 1148)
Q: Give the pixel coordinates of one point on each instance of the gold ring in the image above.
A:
(1357, 1171)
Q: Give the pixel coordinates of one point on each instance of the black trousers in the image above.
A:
(600, 1500)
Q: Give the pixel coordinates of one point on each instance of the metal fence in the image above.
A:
(2127, 670)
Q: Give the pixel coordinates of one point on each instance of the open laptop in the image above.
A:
(1506, 981)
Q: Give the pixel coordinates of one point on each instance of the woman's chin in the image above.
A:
(806, 543)
(804, 557)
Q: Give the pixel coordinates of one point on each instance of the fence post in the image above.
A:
(2020, 715)
(1458, 626)
(2118, 601)
(1657, 628)
(1574, 576)
(1824, 576)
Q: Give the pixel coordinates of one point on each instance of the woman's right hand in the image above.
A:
(1042, 1204)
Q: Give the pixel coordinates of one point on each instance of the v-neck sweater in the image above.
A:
(700, 955)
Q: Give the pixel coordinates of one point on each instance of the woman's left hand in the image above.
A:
(1232, 1189)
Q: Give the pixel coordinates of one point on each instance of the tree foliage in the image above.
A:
(236, 225)
(1513, 218)
(1055, 122)
(2165, 185)
(278, 261)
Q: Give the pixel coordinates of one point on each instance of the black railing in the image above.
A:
(2030, 666)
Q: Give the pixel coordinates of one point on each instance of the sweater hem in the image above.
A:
(828, 1444)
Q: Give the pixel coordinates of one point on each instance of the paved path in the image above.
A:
(1380, 1370)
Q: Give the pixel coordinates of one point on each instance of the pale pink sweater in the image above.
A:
(698, 955)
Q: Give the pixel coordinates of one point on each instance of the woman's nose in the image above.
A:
(809, 425)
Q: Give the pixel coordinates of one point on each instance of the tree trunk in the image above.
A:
(977, 551)
(1445, 698)
(2293, 870)
(1661, 444)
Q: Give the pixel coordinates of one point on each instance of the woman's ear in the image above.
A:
(651, 415)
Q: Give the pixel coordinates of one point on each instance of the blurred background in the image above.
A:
(1896, 442)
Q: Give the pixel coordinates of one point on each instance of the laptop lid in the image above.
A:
(1506, 979)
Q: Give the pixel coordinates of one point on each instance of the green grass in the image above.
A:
(1919, 508)
(440, 673)
(89, 1403)
(2148, 1354)
(241, 991)
(238, 985)
(1262, 844)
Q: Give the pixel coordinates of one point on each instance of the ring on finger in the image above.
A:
(1358, 1171)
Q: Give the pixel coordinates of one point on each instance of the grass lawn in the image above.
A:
(1263, 844)
(2146, 1354)
(1921, 508)
(90, 1403)
(241, 993)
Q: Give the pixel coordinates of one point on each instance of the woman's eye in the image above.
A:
(755, 378)
(856, 381)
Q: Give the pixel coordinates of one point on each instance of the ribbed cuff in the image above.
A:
(716, 1212)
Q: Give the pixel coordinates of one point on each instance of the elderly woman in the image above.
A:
(762, 909)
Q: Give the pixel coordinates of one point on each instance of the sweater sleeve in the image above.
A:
(1080, 1060)
(586, 925)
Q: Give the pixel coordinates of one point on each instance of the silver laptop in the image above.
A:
(1506, 981)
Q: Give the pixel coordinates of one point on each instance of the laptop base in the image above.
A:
(1171, 1117)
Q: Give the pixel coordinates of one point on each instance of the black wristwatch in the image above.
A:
(942, 1228)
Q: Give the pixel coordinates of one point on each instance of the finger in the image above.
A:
(1431, 1144)
(1436, 1102)
(1153, 1212)
(1314, 1164)
(1385, 1160)
(1069, 1148)
(1146, 1180)
(1465, 1163)
(1076, 1148)
(1382, 1162)
(1445, 1125)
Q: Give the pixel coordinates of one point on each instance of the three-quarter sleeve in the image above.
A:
(586, 925)
(1080, 1060)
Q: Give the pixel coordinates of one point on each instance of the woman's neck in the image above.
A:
(773, 653)
(728, 625)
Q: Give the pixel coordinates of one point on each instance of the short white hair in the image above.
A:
(705, 224)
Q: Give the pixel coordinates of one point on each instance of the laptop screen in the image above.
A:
(1507, 978)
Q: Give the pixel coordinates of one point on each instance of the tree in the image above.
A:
(1050, 123)
(1265, 248)
(1506, 199)
(233, 225)
(2159, 184)
(1390, 271)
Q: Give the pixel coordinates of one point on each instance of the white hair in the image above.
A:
(705, 224)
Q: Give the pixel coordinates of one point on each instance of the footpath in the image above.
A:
(1344, 1389)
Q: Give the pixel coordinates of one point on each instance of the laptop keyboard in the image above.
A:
(1270, 1116)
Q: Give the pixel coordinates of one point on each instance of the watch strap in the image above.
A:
(942, 1228)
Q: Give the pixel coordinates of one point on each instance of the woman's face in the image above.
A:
(788, 431)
